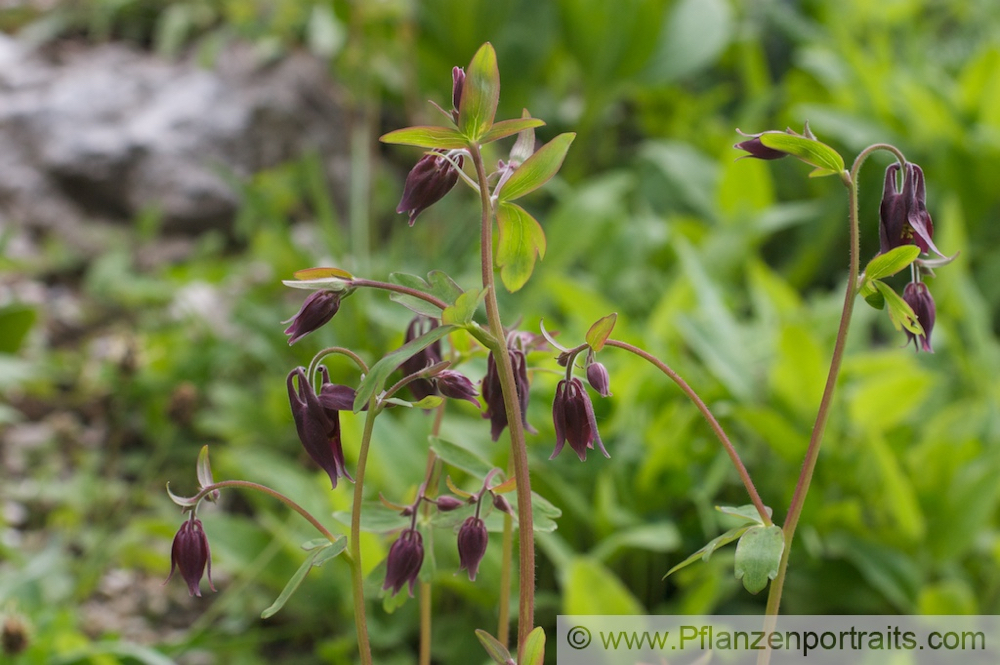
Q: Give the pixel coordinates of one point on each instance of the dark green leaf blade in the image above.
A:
(537, 169)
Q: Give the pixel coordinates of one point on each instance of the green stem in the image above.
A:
(357, 574)
(398, 288)
(431, 478)
(823, 413)
(709, 416)
(332, 350)
(518, 447)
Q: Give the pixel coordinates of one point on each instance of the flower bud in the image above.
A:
(496, 411)
(457, 85)
(317, 420)
(919, 299)
(757, 149)
(315, 312)
(597, 377)
(190, 554)
(447, 503)
(427, 183)
(472, 541)
(573, 417)
(501, 503)
(456, 386)
(403, 564)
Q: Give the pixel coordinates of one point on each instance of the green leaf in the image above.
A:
(380, 371)
(758, 555)
(537, 169)
(460, 457)
(900, 312)
(443, 138)
(706, 551)
(498, 652)
(589, 587)
(543, 513)
(534, 648)
(437, 284)
(885, 265)
(827, 160)
(464, 308)
(506, 128)
(480, 94)
(871, 294)
(316, 558)
(600, 331)
(656, 537)
(521, 240)
(747, 512)
(16, 321)
(429, 402)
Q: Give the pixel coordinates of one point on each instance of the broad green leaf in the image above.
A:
(810, 151)
(706, 551)
(758, 555)
(375, 380)
(375, 518)
(521, 240)
(443, 138)
(534, 648)
(317, 557)
(506, 128)
(498, 652)
(464, 308)
(747, 512)
(16, 321)
(537, 169)
(460, 457)
(590, 588)
(900, 312)
(657, 537)
(437, 284)
(601, 330)
(480, 94)
(543, 513)
(885, 265)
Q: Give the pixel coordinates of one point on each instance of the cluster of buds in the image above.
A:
(446, 382)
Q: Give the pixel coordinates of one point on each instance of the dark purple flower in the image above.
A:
(427, 183)
(457, 85)
(317, 309)
(317, 420)
(456, 386)
(919, 299)
(903, 215)
(597, 376)
(757, 149)
(573, 417)
(191, 555)
(421, 388)
(403, 564)
(472, 541)
(493, 393)
(448, 503)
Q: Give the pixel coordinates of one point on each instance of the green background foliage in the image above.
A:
(732, 271)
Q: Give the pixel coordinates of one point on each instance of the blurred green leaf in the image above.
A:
(885, 265)
(537, 169)
(590, 588)
(521, 241)
(16, 322)
(747, 513)
(464, 309)
(757, 556)
(460, 457)
(598, 333)
(480, 95)
(694, 34)
(506, 128)
(437, 284)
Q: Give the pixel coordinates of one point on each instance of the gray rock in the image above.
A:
(102, 133)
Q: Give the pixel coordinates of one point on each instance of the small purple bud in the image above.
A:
(403, 564)
(191, 555)
(919, 299)
(501, 503)
(573, 417)
(315, 312)
(472, 541)
(447, 503)
(457, 85)
(427, 183)
(597, 377)
(456, 386)
(756, 148)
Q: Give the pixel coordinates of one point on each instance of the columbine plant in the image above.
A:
(429, 374)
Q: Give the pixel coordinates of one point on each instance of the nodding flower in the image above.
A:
(403, 564)
(191, 555)
(428, 182)
(315, 312)
(918, 297)
(317, 420)
(903, 216)
(472, 541)
(573, 417)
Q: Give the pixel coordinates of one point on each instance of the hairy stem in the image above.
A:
(357, 577)
(397, 288)
(431, 477)
(518, 448)
(709, 416)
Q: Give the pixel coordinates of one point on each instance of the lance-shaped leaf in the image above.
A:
(374, 381)
(317, 557)
(747, 512)
(437, 284)
(443, 138)
(826, 160)
(460, 457)
(537, 169)
(497, 651)
(706, 551)
(885, 265)
(871, 294)
(900, 312)
(600, 331)
(480, 94)
(506, 128)
(521, 240)
(758, 555)
(534, 648)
